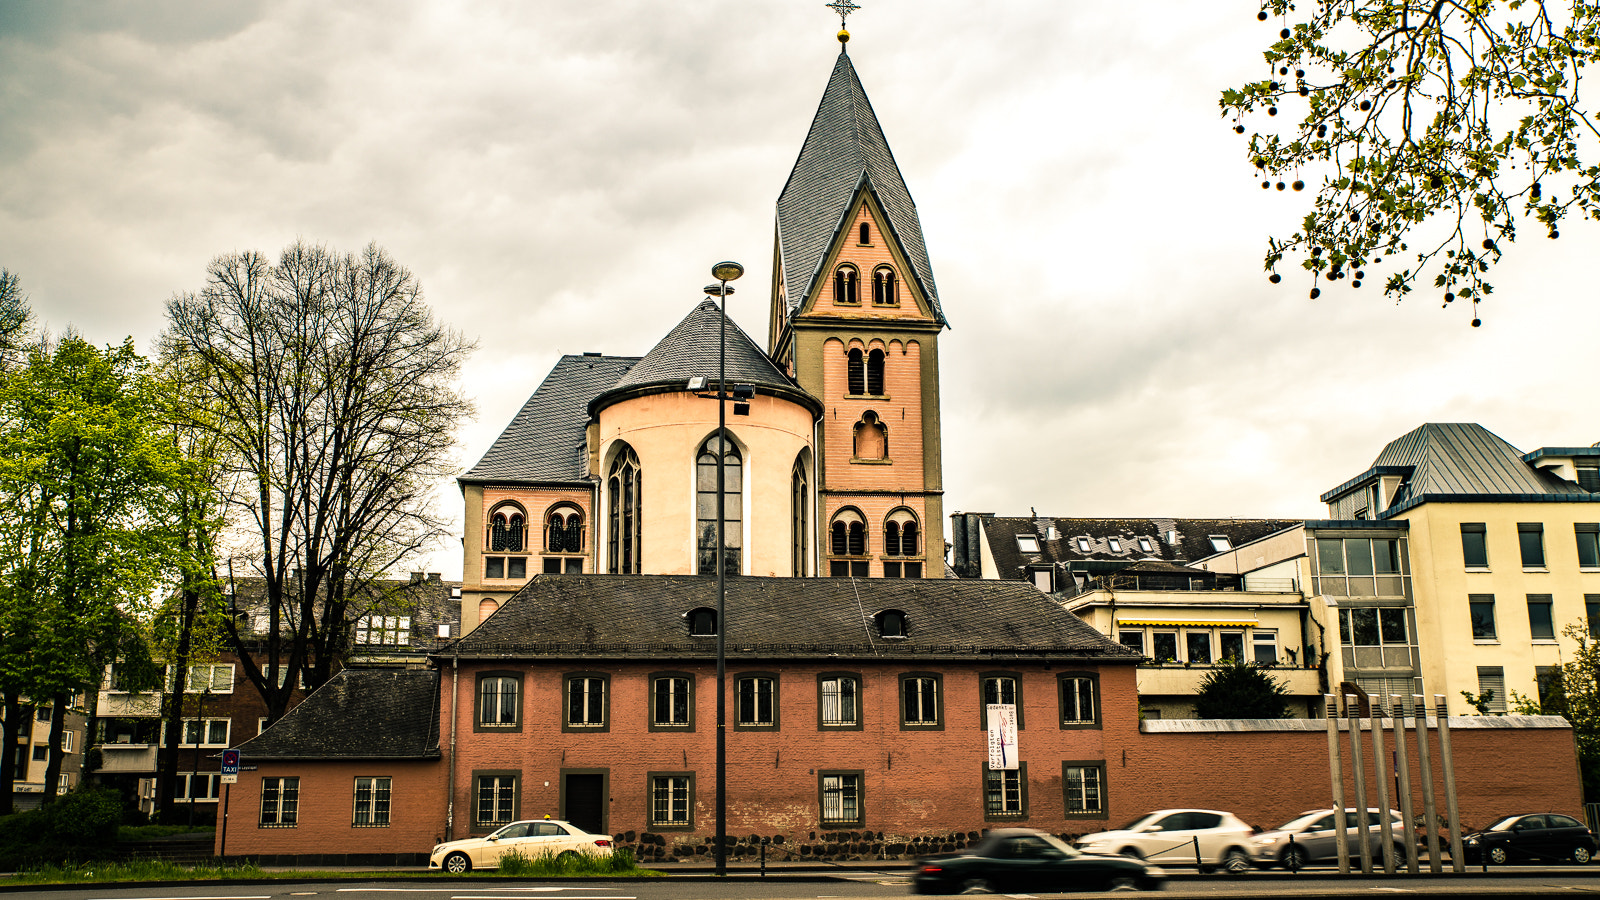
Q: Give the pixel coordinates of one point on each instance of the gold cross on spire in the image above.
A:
(843, 8)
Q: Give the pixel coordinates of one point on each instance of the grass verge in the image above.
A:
(132, 870)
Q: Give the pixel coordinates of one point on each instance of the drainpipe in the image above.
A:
(450, 776)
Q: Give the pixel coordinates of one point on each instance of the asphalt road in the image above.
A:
(843, 884)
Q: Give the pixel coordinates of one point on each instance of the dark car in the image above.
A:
(1539, 836)
(1021, 860)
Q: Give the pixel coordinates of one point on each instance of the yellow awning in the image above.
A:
(1193, 623)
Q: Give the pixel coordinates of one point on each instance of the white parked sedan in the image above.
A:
(1176, 837)
(533, 839)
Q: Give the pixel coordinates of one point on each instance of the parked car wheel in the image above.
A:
(1132, 853)
(1294, 858)
(568, 856)
(977, 886)
(457, 864)
(1124, 883)
(1498, 855)
(1581, 855)
(1236, 861)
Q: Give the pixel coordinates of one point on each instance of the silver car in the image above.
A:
(1312, 837)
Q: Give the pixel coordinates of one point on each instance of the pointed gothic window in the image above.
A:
(800, 499)
(875, 373)
(706, 505)
(624, 491)
(857, 371)
(871, 441)
(885, 292)
(844, 286)
(506, 528)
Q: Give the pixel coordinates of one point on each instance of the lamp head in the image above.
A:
(727, 270)
(718, 290)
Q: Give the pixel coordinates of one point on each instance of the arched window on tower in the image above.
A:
(706, 506)
(856, 369)
(901, 540)
(563, 533)
(871, 440)
(625, 495)
(885, 291)
(875, 372)
(844, 286)
(847, 544)
(866, 233)
(800, 516)
(506, 529)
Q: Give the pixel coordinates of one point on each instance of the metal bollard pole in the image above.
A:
(1198, 865)
(1430, 811)
(1358, 765)
(1402, 768)
(1336, 771)
(1380, 767)
(1458, 860)
(1292, 859)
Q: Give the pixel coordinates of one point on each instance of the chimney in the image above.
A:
(416, 577)
(433, 577)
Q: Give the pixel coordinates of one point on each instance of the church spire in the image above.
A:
(844, 154)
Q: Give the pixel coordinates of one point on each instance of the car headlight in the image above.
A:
(1266, 840)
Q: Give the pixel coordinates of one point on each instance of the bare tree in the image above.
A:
(334, 388)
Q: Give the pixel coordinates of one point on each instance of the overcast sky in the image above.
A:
(561, 177)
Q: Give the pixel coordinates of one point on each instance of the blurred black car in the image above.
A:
(1021, 860)
(1523, 838)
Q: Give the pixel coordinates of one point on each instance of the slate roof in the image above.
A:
(692, 349)
(644, 616)
(358, 714)
(844, 150)
(1193, 539)
(426, 600)
(545, 441)
(1461, 460)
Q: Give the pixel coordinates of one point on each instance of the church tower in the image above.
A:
(856, 321)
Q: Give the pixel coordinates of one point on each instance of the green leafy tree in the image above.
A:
(332, 388)
(1479, 702)
(1578, 689)
(1240, 690)
(1430, 128)
(86, 488)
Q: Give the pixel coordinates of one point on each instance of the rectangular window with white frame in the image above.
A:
(499, 702)
(755, 702)
(205, 732)
(385, 631)
(1083, 784)
(671, 702)
(839, 701)
(494, 799)
(280, 802)
(201, 787)
(66, 741)
(1265, 644)
(920, 702)
(1080, 699)
(1004, 688)
(206, 678)
(587, 702)
(372, 802)
(841, 798)
(671, 800)
(1005, 793)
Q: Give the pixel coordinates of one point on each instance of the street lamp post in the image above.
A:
(724, 272)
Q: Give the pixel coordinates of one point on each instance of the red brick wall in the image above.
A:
(921, 788)
(327, 801)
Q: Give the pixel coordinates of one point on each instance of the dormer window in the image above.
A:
(1115, 545)
(1028, 543)
(702, 622)
(1084, 546)
(1220, 543)
(891, 623)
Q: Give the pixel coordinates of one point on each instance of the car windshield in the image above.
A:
(1301, 821)
(1503, 823)
(514, 830)
(1147, 817)
(1059, 844)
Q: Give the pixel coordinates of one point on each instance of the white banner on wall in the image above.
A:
(1002, 735)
